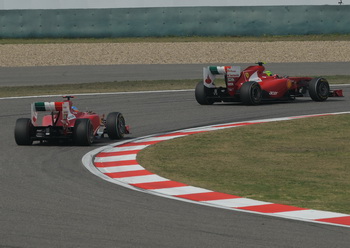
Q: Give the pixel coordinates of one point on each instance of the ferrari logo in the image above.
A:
(208, 80)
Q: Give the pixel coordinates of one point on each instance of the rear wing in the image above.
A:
(209, 73)
(63, 107)
(48, 106)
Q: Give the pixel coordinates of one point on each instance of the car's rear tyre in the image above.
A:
(23, 132)
(319, 89)
(83, 134)
(201, 94)
(251, 93)
(115, 125)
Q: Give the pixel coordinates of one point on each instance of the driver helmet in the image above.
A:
(268, 73)
(75, 109)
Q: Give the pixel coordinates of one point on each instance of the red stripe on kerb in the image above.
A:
(115, 163)
(338, 220)
(271, 208)
(159, 185)
(208, 196)
(140, 143)
(128, 174)
(239, 124)
(119, 153)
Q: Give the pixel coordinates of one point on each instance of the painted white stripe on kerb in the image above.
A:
(201, 129)
(185, 190)
(162, 138)
(310, 214)
(237, 202)
(142, 179)
(115, 158)
(125, 148)
(122, 168)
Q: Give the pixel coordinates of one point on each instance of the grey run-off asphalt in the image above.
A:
(50, 75)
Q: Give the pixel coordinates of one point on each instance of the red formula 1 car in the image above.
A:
(254, 85)
(65, 122)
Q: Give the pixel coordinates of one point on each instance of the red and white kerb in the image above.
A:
(118, 164)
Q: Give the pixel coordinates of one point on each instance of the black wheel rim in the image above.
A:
(323, 89)
(90, 134)
(121, 125)
(256, 94)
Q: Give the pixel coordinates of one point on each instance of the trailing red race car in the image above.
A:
(254, 85)
(67, 123)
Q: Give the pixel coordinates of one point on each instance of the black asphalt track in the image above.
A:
(48, 199)
(46, 75)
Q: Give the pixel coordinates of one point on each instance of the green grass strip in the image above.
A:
(100, 87)
(302, 162)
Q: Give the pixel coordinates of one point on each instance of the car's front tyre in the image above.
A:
(319, 89)
(115, 125)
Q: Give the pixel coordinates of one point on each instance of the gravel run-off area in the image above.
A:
(15, 55)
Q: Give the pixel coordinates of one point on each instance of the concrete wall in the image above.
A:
(175, 21)
(102, 4)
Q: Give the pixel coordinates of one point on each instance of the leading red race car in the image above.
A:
(65, 122)
(254, 85)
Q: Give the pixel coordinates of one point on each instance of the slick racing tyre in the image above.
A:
(115, 125)
(251, 93)
(319, 89)
(23, 132)
(83, 134)
(201, 94)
